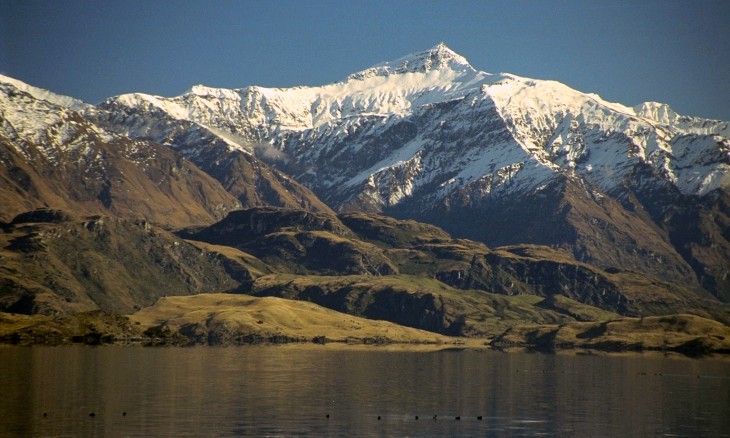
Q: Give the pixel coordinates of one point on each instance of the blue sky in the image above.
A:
(672, 51)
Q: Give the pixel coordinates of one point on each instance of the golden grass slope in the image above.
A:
(236, 319)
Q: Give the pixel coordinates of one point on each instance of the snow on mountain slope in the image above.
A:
(602, 141)
(662, 113)
(218, 130)
(430, 121)
(399, 87)
(52, 156)
(259, 114)
(39, 93)
(39, 120)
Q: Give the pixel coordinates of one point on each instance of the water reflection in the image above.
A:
(297, 391)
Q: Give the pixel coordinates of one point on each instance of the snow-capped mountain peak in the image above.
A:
(658, 111)
(392, 88)
(436, 58)
(211, 92)
(429, 119)
(34, 119)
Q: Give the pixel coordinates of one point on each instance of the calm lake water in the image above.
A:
(322, 391)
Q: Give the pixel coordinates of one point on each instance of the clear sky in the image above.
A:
(627, 51)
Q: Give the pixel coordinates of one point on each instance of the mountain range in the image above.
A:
(532, 166)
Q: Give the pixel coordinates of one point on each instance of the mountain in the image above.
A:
(52, 156)
(419, 191)
(493, 157)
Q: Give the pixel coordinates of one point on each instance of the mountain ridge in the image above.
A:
(313, 108)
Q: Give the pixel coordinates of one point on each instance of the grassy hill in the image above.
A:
(217, 319)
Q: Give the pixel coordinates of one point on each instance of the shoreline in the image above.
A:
(278, 323)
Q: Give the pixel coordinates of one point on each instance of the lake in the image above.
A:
(308, 390)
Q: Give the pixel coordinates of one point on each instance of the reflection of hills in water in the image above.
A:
(291, 390)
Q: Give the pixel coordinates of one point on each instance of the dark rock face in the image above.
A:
(391, 232)
(420, 310)
(427, 312)
(598, 231)
(319, 252)
(43, 215)
(699, 229)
